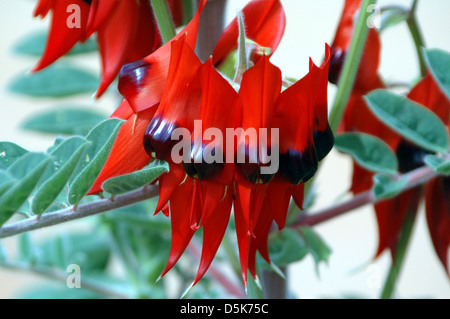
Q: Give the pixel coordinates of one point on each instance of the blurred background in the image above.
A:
(351, 270)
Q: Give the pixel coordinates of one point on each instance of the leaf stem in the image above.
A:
(81, 211)
(414, 178)
(351, 66)
(416, 34)
(163, 19)
(402, 247)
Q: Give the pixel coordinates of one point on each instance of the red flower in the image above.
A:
(126, 31)
(171, 88)
(391, 213)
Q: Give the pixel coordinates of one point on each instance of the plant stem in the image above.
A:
(351, 66)
(210, 28)
(400, 254)
(60, 275)
(416, 34)
(81, 211)
(414, 178)
(163, 19)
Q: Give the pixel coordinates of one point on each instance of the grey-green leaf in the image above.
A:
(69, 120)
(392, 17)
(34, 44)
(369, 151)
(438, 62)
(287, 246)
(15, 196)
(439, 164)
(102, 138)
(67, 156)
(126, 183)
(411, 120)
(9, 153)
(317, 247)
(55, 81)
(387, 187)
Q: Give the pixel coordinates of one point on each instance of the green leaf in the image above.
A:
(411, 120)
(9, 153)
(25, 164)
(89, 251)
(25, 248)
(6, 181)
(102, 138)
(387, 187)
(287, 246)
(438, 62)
(369, 151)
(66, 157)
(71, 120)
(34, 44)
(55, 81)
(126, 183)
(15, 196)
(392, 17)
(316, 245)
(439, 164)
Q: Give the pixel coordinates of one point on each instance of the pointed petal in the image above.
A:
(298, 195)
(265, 23)
(127, 154)
(243, 237)
(143, 82)
(168, 184)
(180, 221)
(259, 241)
(391, 214)
(61, 37)
(115, 38)
(213, 232)
(180, 104)
(437, 196)
(99, 14)
(278, 197)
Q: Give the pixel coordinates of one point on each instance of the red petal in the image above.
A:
(61, 38)
(391, 214)
(438, 217)
(260, 89)
(298, 195)
(99, 14)
(265, 22)
(127, 154)
(295, 114)
(213, 231)
(243, 236)
(42, 8)
(259, 241)
(143, 82)
(180, 221)
(115, 38)
(428, 93)
(278, 197)
(168, 184)
(182, 98)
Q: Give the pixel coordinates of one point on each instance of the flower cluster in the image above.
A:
(125, 31)
(391, 213)
(171, 89)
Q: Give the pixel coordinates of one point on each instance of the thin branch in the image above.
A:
(79, 211)
(414, 178)
(60, 275)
